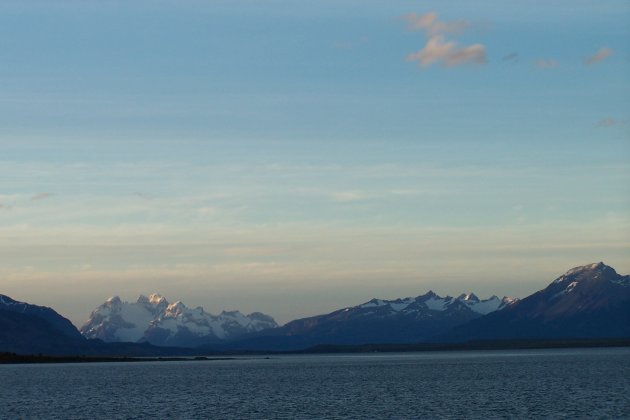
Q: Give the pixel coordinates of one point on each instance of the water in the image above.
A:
(485, 384)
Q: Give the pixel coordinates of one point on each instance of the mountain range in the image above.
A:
(154, 320)
(587, 302)
(408, 320)
(33, 329)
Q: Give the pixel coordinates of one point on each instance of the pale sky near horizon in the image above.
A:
(298, 157)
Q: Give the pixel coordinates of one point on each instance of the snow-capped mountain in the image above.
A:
(155, 320)
(590, 301)
(433, 302)
(405, 320)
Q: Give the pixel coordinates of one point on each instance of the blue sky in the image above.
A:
(295, 157)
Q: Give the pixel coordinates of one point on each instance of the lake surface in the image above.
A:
(472, 384)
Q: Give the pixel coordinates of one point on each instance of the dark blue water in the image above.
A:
(489, 384)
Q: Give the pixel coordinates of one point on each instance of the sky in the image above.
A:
(296, 157)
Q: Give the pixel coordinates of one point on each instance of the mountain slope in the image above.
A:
(377, 321)
(153, 319)
(590, 301)
(55, 320)
(24, 333)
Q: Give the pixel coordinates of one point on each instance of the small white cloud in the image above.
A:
(437, 50)
(600, 55)
(544, 64)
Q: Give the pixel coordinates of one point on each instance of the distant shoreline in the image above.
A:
(473, 345)
(12, 358)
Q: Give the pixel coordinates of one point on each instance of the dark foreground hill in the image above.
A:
(29, 334)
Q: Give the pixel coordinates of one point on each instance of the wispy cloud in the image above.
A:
(609, 122)
(349, 196)
(430, 24)
(41, 196)
(449, 54)
(207, 210)
(546, 63)
(437, 48)
(600, 55)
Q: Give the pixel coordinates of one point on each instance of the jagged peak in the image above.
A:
(430, 294)
(471, 297)
(232, 313)
(508, 300)
(176, 307)
(113, 300)
(260, 315)
(156, 299)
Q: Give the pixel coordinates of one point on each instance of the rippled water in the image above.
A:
(489, 384)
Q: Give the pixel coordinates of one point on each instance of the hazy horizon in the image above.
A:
(295, 158)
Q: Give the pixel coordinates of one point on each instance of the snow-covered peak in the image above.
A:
(507, 300)
(469, 297)
(436, 303)
(157, 299)
(175, 309)
(584, 269)
(433, 302)
(154, 300)
(485, 306)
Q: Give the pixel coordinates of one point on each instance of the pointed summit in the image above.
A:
(114, 300)
(468, 297)
(175, 309)
(590, 272)
(157, 299)
(600, 267)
